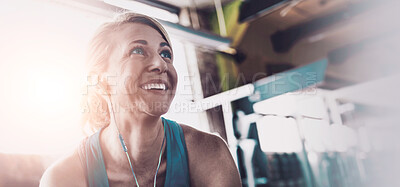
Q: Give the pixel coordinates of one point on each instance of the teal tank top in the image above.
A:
(177, 172)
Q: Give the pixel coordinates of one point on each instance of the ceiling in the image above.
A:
(193, 3)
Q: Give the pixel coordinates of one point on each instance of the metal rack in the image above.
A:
(269, 87)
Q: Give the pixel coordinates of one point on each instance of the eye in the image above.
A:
(166, 54)
(137, 50)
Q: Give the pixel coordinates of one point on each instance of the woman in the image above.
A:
(134, 146)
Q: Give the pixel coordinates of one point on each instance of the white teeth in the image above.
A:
(154, 86)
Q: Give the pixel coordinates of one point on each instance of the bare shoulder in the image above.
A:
(67, 171)
(210, 161)
(202, 141)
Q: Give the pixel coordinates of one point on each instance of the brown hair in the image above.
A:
(96, 113)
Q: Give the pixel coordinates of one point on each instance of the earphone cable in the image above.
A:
(125, 148)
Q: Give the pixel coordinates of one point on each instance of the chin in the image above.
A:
(157, 108)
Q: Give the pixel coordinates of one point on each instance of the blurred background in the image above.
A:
(303, 91)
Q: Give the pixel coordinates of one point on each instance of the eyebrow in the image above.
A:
(144, 42)
(162, 44)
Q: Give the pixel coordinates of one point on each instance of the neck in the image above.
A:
(143, 136)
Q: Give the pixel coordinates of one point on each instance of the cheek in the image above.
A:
(174, 75)
(127, 83)
(174, 78)
(130, 84)
(130, 75)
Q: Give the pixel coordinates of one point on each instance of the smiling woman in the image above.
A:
(134, 83)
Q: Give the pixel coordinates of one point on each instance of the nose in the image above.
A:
(158, 65)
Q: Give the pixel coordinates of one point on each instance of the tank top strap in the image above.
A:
(82, 155)
(177, 160)
(96, 170)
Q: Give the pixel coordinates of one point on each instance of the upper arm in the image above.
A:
(210, 161)
(65, 172)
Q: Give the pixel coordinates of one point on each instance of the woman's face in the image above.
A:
(141, 75)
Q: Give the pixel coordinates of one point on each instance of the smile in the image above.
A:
(154, 86)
